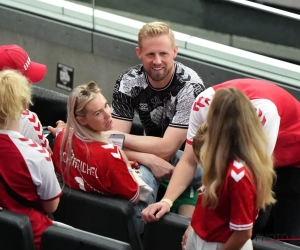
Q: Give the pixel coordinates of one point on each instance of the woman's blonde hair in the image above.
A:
(234, 131)
(76, 107)
(154, 29)
(15, 95)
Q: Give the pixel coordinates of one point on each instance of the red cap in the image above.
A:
(14, 57)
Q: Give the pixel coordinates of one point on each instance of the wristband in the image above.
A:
(168, 201)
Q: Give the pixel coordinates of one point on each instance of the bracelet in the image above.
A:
(168, 201)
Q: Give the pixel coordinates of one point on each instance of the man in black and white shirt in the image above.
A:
(161, 91)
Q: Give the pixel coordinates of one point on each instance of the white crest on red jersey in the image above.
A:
(236, 173)
(40, 149)
(36, 125)
(115, 152)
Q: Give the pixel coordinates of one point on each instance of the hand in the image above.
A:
(134, 164)
(185, 237)
(161, 169)
(50, 150)
(59, 126)
(155, 211)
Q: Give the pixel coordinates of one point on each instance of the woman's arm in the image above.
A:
(237, 240)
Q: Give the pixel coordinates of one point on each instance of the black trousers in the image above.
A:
(282, 220)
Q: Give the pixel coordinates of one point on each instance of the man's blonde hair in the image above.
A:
(154, 29)
(15, 94)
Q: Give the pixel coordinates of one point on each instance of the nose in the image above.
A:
(157, 59)
(107, 113)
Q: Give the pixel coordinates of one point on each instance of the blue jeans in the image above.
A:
(149, 178)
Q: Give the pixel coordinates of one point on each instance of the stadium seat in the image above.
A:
(99, 214)
(56, 237)
(166, 233)
(15, 231)
(49, 105)
(268, 244)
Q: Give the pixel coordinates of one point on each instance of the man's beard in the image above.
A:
(158, 77)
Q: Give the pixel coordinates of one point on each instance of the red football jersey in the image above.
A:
(96, 167)
(28, 169)
(277, 109)
(236, 209)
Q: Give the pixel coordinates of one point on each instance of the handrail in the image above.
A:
(266, 8)
(193, 47)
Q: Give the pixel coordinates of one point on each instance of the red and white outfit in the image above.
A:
(236, 210)
(30, 127)
(96, 167)
(28, 169)
(277, 109)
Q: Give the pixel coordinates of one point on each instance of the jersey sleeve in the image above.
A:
(48, 187)
(118, 179)
(242, 198)
(122, 107)
(31, 127)
(198, 113)
(185, 100)
(270, 119)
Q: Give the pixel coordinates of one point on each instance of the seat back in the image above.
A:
(49, 105)
(99, 214)
(166, 233)
(268, 244)
(56, 237)
(15, 231)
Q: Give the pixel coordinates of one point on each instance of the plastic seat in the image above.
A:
(15, 231)
(103, 215)
(166, 233)
(56, 237)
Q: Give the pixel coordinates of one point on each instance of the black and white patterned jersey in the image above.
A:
(157, 108)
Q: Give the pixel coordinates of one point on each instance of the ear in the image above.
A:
(138, 52)
(175, 51)
(81, 120)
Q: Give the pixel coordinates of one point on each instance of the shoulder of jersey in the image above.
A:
(113, 150)
(237, 170)
(32, 148)
(132, 72)
(187, 74)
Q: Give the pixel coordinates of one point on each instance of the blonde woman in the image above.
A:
(237, 174)
(28, 183)
(83, 155)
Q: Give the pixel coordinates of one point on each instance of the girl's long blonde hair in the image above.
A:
(234, 131)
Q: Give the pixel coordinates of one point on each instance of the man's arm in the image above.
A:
(164, 148)
(121, 125)
(181, 178)
(160, 168)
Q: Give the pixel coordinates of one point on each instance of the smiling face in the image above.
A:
(98, 114)
(157, 54)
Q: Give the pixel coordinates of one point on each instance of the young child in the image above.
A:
(237, 174)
